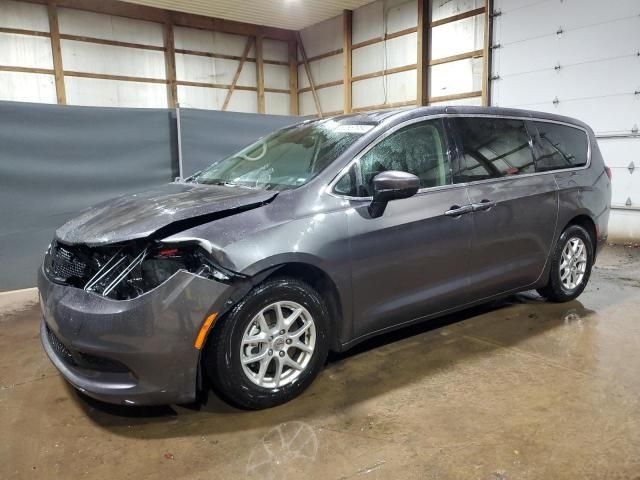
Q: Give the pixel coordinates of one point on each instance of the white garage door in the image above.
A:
(579, 58)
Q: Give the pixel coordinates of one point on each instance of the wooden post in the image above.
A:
(347, 24)
(486, 59)
(243, 59)
(309, 76)
(56, 52)
(293, 76)
(260, 73)
(424, 48)
(170, 65)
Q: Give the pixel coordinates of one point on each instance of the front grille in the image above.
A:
(84, 360)
(65, 264)
(63, 352)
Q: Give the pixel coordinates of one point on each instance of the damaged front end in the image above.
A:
(128, 270)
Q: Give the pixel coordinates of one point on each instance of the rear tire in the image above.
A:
(283, 325)
(571, 263)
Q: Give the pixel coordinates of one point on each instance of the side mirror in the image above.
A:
(391, 185)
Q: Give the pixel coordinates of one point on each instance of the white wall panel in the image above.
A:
(447, 8)
(397, 52)
(275, 50)
(201, 97)
(474, 101)
(27, 87)
(368, 22)
(194, 68)
(277, 103)
(306, 105)
(27, 16)
(113, 93)
(624, 226)
(108, 59)
(322, 37)
(331, 98)
(325, 70)
(619, 152)
(452, 78)
(243, 101)
(627, 186)
(458, 37)
(276, 76)
(546, 18)
(401, 16)
(109, 27)
(25, 51)
(398, 87)
(205, 41)
(572, 82)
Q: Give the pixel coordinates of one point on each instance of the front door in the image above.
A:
(413, 260)
(515, 208)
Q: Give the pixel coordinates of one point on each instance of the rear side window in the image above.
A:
(559, 147)
(492, 148)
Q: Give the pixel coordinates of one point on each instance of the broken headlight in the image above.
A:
(128, 271)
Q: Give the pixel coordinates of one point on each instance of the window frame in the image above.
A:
(454, 151)
(448, 140)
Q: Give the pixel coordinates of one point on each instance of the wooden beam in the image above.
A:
(115, 43)
(170, 65)
(459, 16)
(388, 36)
(56, 52)
(320, 56)
(21, 31)
(455, 96)
(122, 78)
(424, 49)
(488, 38)
(389, 71)
(8, 68)
(260, 73)
(320, 86)
(309, 76)
(158, 15)
(347, 41)
(243, 59)
(455, 58)
(293, 77)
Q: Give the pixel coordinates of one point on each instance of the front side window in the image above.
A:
(419, 148)
(285, 159)
(559, 146)
(492, 148)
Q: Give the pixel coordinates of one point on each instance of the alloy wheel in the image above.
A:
(278, 344)
(573, 264)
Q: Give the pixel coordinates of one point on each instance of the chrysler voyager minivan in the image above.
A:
(313, 239)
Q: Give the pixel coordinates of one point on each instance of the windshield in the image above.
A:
(285, 159)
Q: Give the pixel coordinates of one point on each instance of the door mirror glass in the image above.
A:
(392, 185)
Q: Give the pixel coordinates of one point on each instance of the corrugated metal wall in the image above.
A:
(580, 59)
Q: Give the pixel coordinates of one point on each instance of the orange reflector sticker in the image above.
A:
(202, 334)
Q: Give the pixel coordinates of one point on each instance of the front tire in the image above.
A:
(571, 263)
(270, 347)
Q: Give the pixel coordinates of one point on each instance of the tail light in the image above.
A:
(607, 170)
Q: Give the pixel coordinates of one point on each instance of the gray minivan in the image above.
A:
(315, 238)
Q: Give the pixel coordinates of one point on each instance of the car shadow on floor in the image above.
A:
(210, 415)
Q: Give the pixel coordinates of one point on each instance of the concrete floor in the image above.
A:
(520, 389)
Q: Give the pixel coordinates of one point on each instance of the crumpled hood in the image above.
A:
(159, 212)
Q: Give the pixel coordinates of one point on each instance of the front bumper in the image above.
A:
(136, 352)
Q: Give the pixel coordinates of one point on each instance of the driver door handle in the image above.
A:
(457, 210)
(483, 205)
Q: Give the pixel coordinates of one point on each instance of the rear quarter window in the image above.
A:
(560, 146)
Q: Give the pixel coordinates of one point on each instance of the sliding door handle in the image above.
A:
(457, 210)
(483, 205)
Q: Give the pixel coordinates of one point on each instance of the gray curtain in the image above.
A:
(57, 160)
